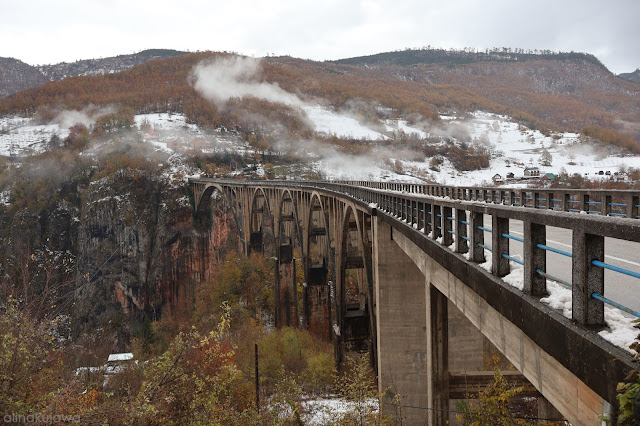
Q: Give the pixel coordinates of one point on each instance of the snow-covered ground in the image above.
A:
(329, 122)
(21, 136)
(514, 147)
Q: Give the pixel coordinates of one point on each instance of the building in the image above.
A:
(497, 179)
(532, 172)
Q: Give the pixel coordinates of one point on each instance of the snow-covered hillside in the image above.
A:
(512, 147)
(21, 136)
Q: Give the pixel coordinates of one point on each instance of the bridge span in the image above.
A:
(388, 267)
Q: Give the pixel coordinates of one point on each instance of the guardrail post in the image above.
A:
(461, 231)
(447, 237)
(477, 237)
(631, 209)
(605, 208)
(534, 258)
(587, 278)
(500, 245)
(428, 218)
(535, 202)
(436, 221)
(584, 205)
(565, 201)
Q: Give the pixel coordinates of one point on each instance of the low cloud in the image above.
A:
(237, 77)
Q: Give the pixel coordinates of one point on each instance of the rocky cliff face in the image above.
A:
(140, 253)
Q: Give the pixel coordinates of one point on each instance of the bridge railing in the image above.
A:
(619, 203)
(459, 225)
(455, 218)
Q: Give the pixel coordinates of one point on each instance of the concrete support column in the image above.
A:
(401, 313)
(438, 355)
(286, 289)
(547, 411)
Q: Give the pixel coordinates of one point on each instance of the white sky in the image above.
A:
(51, 31)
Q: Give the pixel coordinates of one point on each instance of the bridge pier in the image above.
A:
(412, 334)
(286, 293)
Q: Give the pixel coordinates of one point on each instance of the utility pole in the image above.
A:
(257, 382)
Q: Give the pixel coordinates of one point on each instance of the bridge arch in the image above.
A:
(261, 224)
(354, 290)
(202, 196)
(288, 238)
(317, 292)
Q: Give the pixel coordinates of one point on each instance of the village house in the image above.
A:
(531, 172)
(497, 179)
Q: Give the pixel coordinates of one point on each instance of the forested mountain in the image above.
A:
(16, 75)
(104, 65)
(431, 56)
(557, 91)
(631, 76)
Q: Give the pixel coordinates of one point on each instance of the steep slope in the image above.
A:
(16, 75)
(104, 65)
(631, 76)
(570, 90)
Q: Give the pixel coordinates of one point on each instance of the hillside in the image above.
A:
(104, 65)
(16, 75)
(570, 90)
(561, 92)
(431, 56)
(631, 76)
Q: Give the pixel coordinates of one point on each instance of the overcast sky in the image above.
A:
(48, 31)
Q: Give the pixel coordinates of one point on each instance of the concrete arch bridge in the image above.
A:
(418, 276)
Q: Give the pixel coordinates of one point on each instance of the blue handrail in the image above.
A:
(513, 259)
(555, 250)
(616, 268)
(482, 228)
(556, 279)
(484, 247)
(511, 237)
(615, 304)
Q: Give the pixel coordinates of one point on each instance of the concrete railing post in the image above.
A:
(436, 221)
(605, 208)
(477, 237)
(587, 278)
(632, 206)
(461, 231)
(535, 258)
(447, 226)
(584, 205)
(500, 245)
